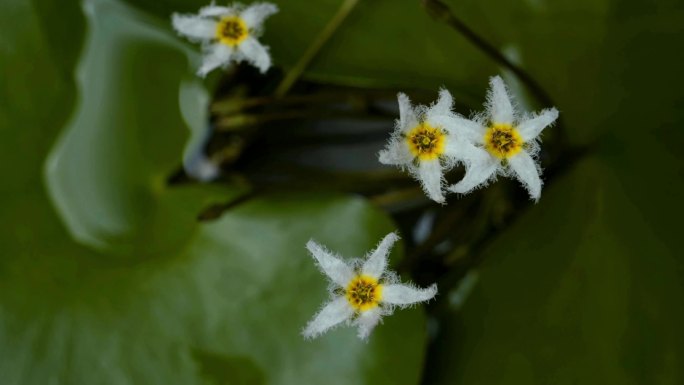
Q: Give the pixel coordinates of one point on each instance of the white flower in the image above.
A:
(361, 291)
(510, 142)
(427, 141)
(228, 34)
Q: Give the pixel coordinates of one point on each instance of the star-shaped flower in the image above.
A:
(228, 34)
(428, 141)
(510, 142)
(361, 291)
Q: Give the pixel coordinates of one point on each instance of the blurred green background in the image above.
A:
(107, 277)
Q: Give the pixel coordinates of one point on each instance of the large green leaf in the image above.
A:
(590, 55)
(105, 274)
(598, 59)
(381, 43)
(586, 288)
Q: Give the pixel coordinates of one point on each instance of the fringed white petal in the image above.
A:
(404, 295)
(407, 115)
(217, 55)
(499, 102)
(218, 11)
(196, 29)
(396, 153)
(443, 106)
(332, 314)
(256, 13)
(377, 261)
(367, 322)
(465, 152)
(478, 174)
(430, 176)
(460, 127)
(255, 53)
(527, 172)
(531, 128)
(332, 266)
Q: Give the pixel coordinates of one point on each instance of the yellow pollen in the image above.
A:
(502, 140)
(231, 30)
(426, 142)
(364, 292)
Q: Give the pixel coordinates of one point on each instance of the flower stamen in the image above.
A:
(426, 142)
(364, 292)
(503, 141)
(231, 30)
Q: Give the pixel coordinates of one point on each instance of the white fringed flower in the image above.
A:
(361, 291)
(427, 141)
(228, 34)
(509, 140)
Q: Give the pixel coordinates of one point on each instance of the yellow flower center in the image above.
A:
(364, 292)
(503, 141)
(426, 142)
(231, 30)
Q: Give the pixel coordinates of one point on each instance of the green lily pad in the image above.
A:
(587, 54)
(107, 277)
(583, 289)
(381, 43)
(587, 287)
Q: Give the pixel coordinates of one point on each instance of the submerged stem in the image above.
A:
(313, 49)
(441, 12)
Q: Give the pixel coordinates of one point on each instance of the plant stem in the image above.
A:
(441, 12)
(328, 96)
(313, 49)
(243, 122)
